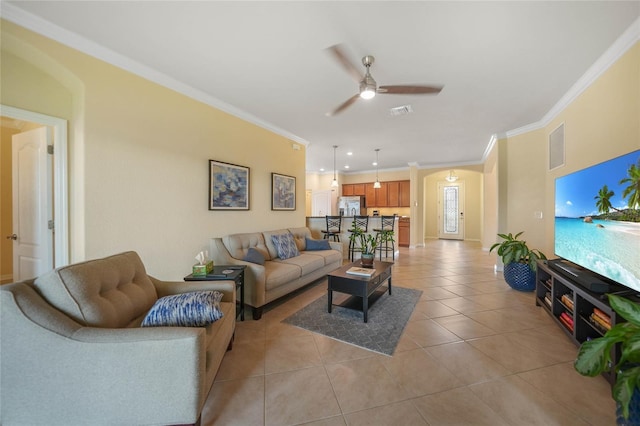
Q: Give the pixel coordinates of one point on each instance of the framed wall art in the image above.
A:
(228, 186)
(283, 192)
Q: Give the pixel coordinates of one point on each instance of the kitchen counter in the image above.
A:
(318, 223)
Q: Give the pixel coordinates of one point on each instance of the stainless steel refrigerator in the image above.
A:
(352, 206)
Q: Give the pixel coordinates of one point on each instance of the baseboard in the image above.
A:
(6, 279)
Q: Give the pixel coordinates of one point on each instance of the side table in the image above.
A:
(226, 272)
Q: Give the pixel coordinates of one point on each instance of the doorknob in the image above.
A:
(12, 237)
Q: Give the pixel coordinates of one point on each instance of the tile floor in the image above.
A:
(474, 352)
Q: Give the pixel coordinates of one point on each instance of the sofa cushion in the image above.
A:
(238, 244)
(278, 273)
(254, 256)
(112, 292)
(329, 256)
(307, 263)
(314, 245)
(273, 252)
(285, 246)
(193, 309)
(300, 235)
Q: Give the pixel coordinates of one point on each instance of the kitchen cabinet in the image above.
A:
(370, 195)
(404, 231)
(390, 194)
(358, 189)
(404, 193)
(382, 195)
(393, 194)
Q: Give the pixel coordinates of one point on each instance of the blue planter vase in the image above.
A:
(634, 412)
(519, 276)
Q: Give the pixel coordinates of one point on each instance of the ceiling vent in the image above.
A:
(401, 110)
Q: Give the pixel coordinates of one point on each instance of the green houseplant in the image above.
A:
(367, 244)
(519, 261)
(594, 356)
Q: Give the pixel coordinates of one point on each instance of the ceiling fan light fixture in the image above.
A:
(367, 93)
(368, 86)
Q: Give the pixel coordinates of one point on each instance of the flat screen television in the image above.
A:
(597, 220)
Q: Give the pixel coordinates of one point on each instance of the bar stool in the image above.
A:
(360, 226)
(384, 236)
(334, 224)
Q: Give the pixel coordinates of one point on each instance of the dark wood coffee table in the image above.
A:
(362, 288)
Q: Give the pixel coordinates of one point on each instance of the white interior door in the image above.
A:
(32, 201)
(451, 210)
(321, 203)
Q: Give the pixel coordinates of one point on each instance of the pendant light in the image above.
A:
(334, 182)
(452, 177)
(376, 185)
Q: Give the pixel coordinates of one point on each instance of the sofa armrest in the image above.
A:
(56, 371)
(336, 245)
(167, 288)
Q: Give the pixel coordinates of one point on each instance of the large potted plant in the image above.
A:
(594, 358)
(366, 244)
(519, 261)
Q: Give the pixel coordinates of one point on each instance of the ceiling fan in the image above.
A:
(368, 86)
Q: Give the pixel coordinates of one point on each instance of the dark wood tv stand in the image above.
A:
(579, 304)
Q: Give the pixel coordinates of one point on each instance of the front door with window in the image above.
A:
(451, 210)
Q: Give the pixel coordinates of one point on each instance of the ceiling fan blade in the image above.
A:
(409, 89)
(346, 104)
(340, 56)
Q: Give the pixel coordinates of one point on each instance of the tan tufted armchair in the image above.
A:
(73, 352)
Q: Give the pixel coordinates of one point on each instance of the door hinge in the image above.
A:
(51, 224)
(50, 149)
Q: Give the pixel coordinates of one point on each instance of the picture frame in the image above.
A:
(229, 186)
(283, 192)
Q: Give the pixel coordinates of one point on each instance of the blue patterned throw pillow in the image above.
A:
(285, 246)
(194, 309)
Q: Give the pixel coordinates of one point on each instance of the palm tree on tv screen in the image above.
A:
(632, 191)
(602, 200)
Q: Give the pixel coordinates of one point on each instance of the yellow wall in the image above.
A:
(472, 179)
(140, 162)
(600, 124)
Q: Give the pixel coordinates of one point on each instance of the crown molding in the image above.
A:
(38, 25)
(630, 37)
(45, 28)
(602, 64)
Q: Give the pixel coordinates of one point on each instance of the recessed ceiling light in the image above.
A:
(349, 153)
(375, 163)
(322, 169)
(346, 167)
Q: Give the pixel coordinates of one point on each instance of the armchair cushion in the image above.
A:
(285, 246)
(112, 292)
(194, 309)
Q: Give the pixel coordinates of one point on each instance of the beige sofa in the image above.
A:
(277, 277)
(73, 351)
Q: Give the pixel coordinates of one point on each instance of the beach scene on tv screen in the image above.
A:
(597, 219)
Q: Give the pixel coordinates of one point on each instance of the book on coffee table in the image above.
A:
(363, 272)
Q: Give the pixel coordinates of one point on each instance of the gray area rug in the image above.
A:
(387, 319)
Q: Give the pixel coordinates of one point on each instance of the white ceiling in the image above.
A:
(504, 65)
